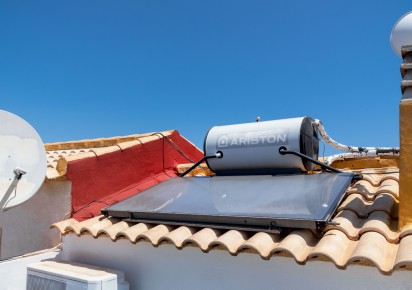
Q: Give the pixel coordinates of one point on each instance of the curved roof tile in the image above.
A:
(366, 232)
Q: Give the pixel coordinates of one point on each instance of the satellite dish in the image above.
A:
(22, 161)
(402, 33)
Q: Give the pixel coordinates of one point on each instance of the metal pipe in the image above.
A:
(354, 151)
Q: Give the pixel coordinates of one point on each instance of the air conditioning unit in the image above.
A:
(56, 275)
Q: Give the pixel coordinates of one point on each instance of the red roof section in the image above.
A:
(102, 180)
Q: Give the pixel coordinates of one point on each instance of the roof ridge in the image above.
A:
(97, 142)
(61, 166)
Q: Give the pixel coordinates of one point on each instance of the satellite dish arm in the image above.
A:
(18, 173)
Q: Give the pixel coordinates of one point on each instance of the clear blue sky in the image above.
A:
(89, 69)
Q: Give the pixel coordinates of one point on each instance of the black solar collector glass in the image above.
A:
(263, 202)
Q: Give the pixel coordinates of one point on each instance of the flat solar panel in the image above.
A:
(264, 203)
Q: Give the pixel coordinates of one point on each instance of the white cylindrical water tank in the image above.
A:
(255, 146)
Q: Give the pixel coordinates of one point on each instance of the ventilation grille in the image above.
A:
(42, 283)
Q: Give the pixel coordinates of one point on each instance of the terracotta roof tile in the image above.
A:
(231, 240)
(377, 177)
(65, 226)
(353, 226)
(113, 230)
(262, 243)
(92, 143)
(178, 236)
(132, 233)
(53, 158)
(103, 223)
(372, 247)
(370, 191)
(154, 234)
(383, 202)
(203, 238)
(298, 244)
(348, 223)
(404, 254)
(406, 231)
(380, 222)
(365, 233)
(334, 246)
(86, 226)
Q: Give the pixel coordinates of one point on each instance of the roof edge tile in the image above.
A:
(93, 143)
(123, 143)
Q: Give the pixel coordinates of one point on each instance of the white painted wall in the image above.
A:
(26, 228)
(13, 273)
(166, 267)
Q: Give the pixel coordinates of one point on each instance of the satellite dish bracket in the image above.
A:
(18, 172)
(10, 190)
(21, 151)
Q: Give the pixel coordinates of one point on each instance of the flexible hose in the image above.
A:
(354, 151)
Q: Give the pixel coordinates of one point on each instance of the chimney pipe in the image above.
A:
(405, 127)
(401, 42)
